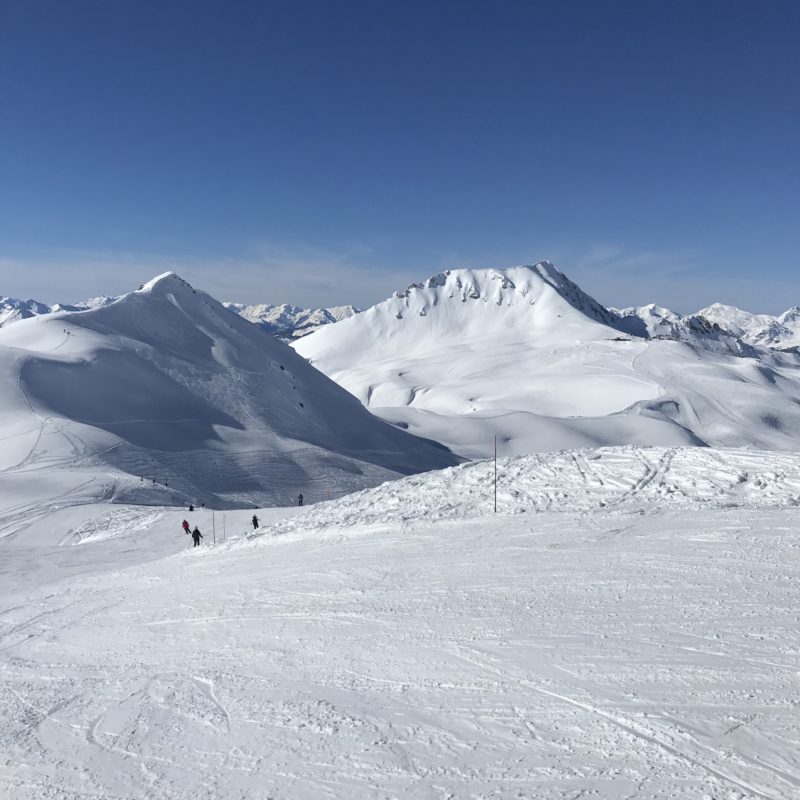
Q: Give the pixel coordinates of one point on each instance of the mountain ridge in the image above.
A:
(166, 384)
(525, 355)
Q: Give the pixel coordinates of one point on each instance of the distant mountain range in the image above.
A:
(523, 354)
(13, 310)
(284, 321)
(291, 322)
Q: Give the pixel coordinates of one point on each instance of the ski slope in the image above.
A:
(164, 396)
(524, 355)
(625, 626)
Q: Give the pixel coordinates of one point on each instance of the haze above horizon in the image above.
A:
(324, 153)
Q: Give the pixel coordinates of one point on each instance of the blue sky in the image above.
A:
(331, 152)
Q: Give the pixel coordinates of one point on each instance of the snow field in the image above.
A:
(637, 636)
(644, 479)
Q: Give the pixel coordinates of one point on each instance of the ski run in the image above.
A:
(625, 626)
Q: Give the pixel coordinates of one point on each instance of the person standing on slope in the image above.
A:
(300, 499)
(196, 535)
(255, 521)
(185, 526)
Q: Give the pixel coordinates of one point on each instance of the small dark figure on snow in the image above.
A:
(196, 535)
(255, 521)
(191, 508)
(300, 499)
(185, 526)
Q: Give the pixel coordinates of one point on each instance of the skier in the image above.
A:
(300, 499)
(196, 535)
(255, 521)
(185, 526)
(191, 508)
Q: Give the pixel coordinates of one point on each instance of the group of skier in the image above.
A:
(197, 536)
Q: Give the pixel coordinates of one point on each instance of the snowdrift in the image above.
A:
(524, 355)
(168, 386)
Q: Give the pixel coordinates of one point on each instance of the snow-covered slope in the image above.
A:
(291, 322)
(633, 634)
(523, 354)
(164, 395)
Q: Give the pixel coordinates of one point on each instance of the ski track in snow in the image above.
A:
(636, 637)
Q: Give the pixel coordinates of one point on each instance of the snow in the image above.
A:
(288, 321)
(524, 355)
(13, 310)
(625, 625)
(165, 397)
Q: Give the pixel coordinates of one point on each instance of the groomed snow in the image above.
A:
(625, 626)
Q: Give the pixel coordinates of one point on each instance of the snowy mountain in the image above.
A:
(523, 354)
(291, 322)
(13, 310)
(762, 330)
(654, 322)
(719, 322)
(165, 384)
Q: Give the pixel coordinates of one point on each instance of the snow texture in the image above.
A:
(625, 626)
(166, 397)
(524, 355)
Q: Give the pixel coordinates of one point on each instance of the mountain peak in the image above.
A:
(167, 281)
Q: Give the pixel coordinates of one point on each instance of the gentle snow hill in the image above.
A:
(525, 355)
(168, 385)
(651, 479)
(634, 650)
(291, 322)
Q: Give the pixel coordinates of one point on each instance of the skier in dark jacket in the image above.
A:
(255, 521)
(196, 535)
(300, 499)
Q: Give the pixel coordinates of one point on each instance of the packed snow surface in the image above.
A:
(166, 397)
(624, 626)
(524, 355)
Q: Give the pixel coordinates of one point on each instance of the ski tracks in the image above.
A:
(701, 756)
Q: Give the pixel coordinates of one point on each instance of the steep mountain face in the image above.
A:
(523, 354)
(166, 384)
(291, 322)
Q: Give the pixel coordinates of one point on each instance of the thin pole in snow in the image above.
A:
(224, 533)
(495, 474)
(214, 525)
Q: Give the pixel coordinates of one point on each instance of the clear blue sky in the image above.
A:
(322, 152)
